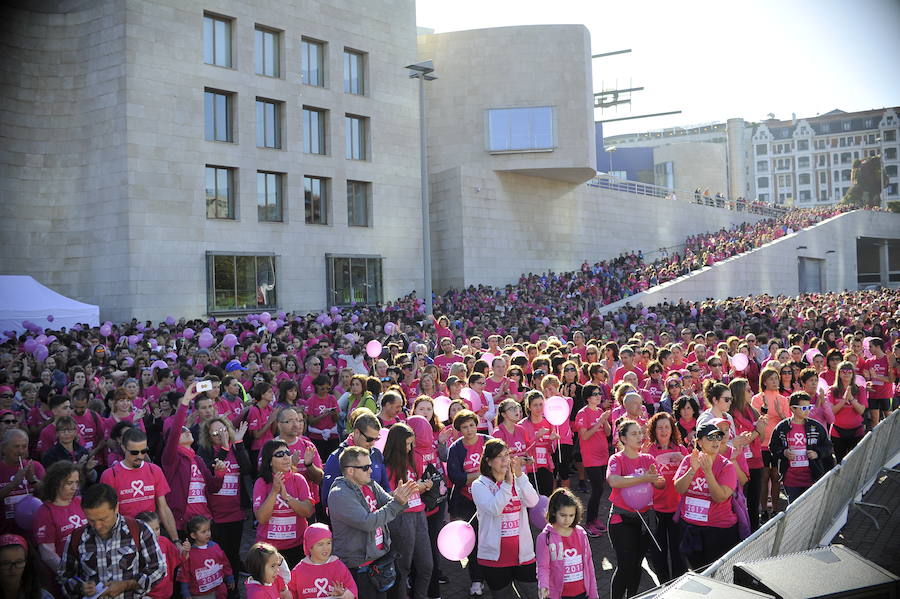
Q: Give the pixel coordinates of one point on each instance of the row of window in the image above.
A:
(803, 162)
(802, 145)
(221, 197)
(218, 32)
(248, 282)
(219, 119)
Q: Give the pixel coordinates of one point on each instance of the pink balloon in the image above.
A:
(24, 511)
(860, 380)
(740, 361)
(271, 326)
(382, 438)
(537, 515)
(487, 357)
(221, 328)
(388, 328)
(188, 333)
(373, 348)
(133, 339)
(106, 330)
(170, 320)
(154, 344)
(265, 318)
(49, 318)
(472, 397)
(354, 319)
(29, 345)
(811, 353)
(556, 410)
(545, 321)
(229, 340)
(206, 341)
(442, 407)
(638, 497)
(456, 540)
(822, 386)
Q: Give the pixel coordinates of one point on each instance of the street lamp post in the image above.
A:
(422, 71)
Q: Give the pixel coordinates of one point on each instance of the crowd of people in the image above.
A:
(138, 454)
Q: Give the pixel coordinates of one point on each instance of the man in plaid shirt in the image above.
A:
(121, 553)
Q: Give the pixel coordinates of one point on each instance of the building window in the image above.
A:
(805, 195)
(358, 196)
(269, 206)
(890, 170)
(762, 182)
(268, 123)
(822, 160)
(353, 279)
(803, 179)
(802, 145)
(219, 192)
(518, 129)
(315, 195)
(355, 135)
(217, 41)
(268, 52)
(846, 157)
(762, 149)
(762, 166)
(664, 174)
(354, 72)
(889, 135)
(763, 197)
(312, 62)
(803, 162)
(218, 116)
(890, 153)
(823, 178)
(869, 123)
(240, 282)
(314, 120)
(845, 174)
(845, 125)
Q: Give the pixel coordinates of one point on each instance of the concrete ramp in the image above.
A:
(824, 253)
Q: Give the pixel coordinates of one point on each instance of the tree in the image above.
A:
(868, 179)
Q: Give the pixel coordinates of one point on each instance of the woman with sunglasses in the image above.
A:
(848, 402)
(281, 502)
(802, 446)
(718, 397)
(654, 387)
(707, 480)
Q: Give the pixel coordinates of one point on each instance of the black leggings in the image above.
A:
(562, 458)
(597, 476)
(544, 478)
(435, 523)
(711, 544)
(228, 536)
(668, 535)
(843, 446)
(752, 490)
(630, 541)
(500, 578)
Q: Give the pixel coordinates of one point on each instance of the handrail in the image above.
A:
(604, 181)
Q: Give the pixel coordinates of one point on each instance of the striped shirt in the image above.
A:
(113, 559)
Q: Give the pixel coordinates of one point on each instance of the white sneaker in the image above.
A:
(477, 589)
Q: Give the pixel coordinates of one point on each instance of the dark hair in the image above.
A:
(31, 586)
(396, 457)
(98, 494)
(365, 421)
(460, 418)
(258, 390)
(56, 474)
(563, 497)
(284, 387)
(265, 457)
(713, 390)
(194, 524)
(529, 397)
(738, 388)
(654, 421)
(352, 454)
(256, 559)
(321, 380)
(797, 397)
(623, 425)
(119, 429)
(806, 374)
(56, 401)
(133, 435)
(492, 448)
(148, 517)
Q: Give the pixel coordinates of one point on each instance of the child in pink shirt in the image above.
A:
(172, 554)
(205, 570)
(320, 574)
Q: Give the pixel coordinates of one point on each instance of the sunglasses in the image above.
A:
(369, 439)
(281, 453)
(716, 364)
(715, 436)
(138, 451)
(364, 467)
(596, 394)
(803, 408)
(6, 396)
(570, 369)
(8, 421)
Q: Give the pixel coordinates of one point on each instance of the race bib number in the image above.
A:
(281, 528)
(573, 566)
(540, 455)
(379, 538)
(509, 525)
(229, 486)
(196, 493)
(696, 509)
(797, 445)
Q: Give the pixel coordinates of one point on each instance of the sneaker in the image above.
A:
(582, 487)
(477, 589)
(596, 529)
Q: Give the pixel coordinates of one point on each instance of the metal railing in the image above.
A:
(817, 515)
(647, 189)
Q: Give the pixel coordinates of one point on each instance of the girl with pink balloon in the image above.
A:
(502, 495)
(593, 427)
(707, 480)
(565, 565)
(543, 442)
(632, 476)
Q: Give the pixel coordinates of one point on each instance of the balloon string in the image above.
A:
(476, 514)
(24, 480)
(558, 447)
(655, 542)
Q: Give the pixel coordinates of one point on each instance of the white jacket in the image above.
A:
(490, 499)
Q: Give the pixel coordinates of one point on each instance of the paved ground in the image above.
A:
(882, 544)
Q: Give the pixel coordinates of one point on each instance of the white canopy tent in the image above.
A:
(22, 298)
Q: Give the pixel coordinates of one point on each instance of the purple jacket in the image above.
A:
(550, 569)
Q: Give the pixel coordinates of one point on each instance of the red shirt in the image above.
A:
(699, 508)
(256, 420)
(225, 504)
(880, 367)
(137, 488)
(847, 416)
(573, 566)
(472, 463)
(372, 502)
(54, 523)
(90, 428)
(517, 441)
(541, 447)
(318, 405)
(256, 590)
(163, 587)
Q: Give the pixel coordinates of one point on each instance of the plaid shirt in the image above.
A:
(112, 559)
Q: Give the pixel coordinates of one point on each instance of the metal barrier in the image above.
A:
(813, 519)
(689, 197)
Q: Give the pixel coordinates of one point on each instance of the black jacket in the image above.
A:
(817, 439)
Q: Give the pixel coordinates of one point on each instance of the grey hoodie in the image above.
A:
(353, 525)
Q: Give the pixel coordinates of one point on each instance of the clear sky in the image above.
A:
(714, 60)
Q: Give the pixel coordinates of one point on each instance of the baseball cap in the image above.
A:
(708, 429)
(233, 365)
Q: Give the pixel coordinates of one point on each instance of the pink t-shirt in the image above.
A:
(879, 367)
(256, 419)
(137, 488)
(798, 473)
(847, 416)
(16, 495)
(510, 521)
(90, 429)
(265, 591)
(541, 447)
(594, 451)
(667, 462)
(314, 581)
(622, 465)
(372, 502)
(225, 504)
(47, 438)
(54, 523)
(573, 566)
(517, 441)
(204, 568)
(284, 528)
(230, 409)
(491, 386)
(472, 463)
(444, 362)
(318, 405)
(699, 507)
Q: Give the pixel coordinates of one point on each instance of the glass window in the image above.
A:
(762, 166)
(802, 144)
(267, 52)
(217, 112)
(312, 62)
(803, 162)
(890, 153)
(217, 41)
(890, 135)
(762, 182)
(268, 124)
(354, 72)
(353, 279)
(219, 192)
(314, 130)
(890, 170)
(516, 129)
(358, 193)
(315, 194)
(762, 149)
(268, 197)
(355, 137)
(240, 282)
(823, 177)
(803, 179)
